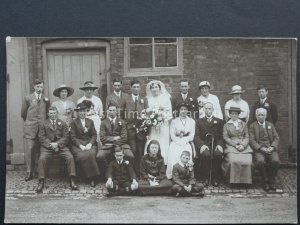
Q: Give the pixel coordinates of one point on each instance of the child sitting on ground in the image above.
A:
(183, 178)
(121, 178)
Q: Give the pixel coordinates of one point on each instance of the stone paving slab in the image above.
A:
(58, 188)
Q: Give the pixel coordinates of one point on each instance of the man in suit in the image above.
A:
(113, 133)
(185, 97)
(264, 140)
(118, 97)
(264, 102)
(206, 128)
(54, 138)
(121, 178)
(34, 111)
(135, 103)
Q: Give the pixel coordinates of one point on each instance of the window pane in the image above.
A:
(140, 56)
(165, 40)
(165, 55)
(140, 40)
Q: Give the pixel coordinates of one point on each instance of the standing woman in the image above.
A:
(64, 106)
(153, 178)
(237, 162)
(182, 132)
(83, 144)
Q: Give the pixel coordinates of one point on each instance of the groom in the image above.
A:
(134, 104)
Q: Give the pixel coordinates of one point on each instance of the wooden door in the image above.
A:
(73, 68)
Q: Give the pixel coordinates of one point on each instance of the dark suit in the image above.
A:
(119, 101)
(203, 127)
(272, 114)
(184, 177)
(60, 135)
(85, 160)
(108, 144)
(121, 174)
(191, 100)
(33, 112)
(136, 141)
(268, 164)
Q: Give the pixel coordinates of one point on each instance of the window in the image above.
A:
(153, 56)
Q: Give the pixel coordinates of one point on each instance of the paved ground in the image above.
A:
(220, 205)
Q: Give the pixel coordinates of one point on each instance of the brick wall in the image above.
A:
(223, 62)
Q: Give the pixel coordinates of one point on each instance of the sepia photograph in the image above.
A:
(151, 130)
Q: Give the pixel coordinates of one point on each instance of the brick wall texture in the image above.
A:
(222, 62)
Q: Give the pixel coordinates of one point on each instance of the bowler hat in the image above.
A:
(61, 87)
(236, 89)
(80, 106)
(88, 85)
(234, 109)
(204, 83)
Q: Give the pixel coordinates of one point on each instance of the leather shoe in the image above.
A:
(73, 185)
(273, 187)
(215, 183)
(93, 183)
(40, 187)
(205, 183)
(29, 176)
(266, 186)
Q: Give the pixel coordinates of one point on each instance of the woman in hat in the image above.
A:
(237, 101)
(65, 107)
(182, 131)
(237, 162)
(83, 144)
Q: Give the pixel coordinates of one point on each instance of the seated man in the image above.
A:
(54, 137)
(264, 141)
(121, 178)
(113, 133)
(183, 178)
(208, 134)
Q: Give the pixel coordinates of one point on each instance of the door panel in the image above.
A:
(74, 67)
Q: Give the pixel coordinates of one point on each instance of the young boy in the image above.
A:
(183, 178)
(121, 178)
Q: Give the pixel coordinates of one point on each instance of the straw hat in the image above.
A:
(236, 89)
(61, 87)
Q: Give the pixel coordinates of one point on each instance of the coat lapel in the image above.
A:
(269, 131)
(256, 131)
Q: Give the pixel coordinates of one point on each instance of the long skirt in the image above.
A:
(237, 168)
(164, 187)
(86, 163)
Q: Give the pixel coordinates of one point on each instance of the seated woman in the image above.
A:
(65, 107)
(237, 162)
(182, 132)
(153, 178)
(83, 145)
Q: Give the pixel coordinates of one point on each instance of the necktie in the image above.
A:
(184, 97)
(208, 120)
(53, 124)
(112, 124)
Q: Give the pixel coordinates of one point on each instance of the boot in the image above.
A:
(73, 184)
(40, 186)
(29, 176)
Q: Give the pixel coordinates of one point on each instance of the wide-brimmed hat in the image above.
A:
(236, 89)
(179, 105)
(88, 85)
(80, 106)
(204, 83)
(61, 87)
(234, 109)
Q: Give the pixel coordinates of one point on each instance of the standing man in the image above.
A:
(54, 138)
(118, 97)
(34, 110)
(206, 128)
(205, 97)
(264, 140)
(264, 102)
(185, 97)
(135, 103)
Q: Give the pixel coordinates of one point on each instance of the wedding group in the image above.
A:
(156, 144)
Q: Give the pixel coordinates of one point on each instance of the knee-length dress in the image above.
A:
(153, 167)
(85, 160)
(182, 132)
(237, 165)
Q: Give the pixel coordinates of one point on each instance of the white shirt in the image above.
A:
(53, 122)
(263, 125)
(262, 100)
(209, 118)
(235, 123)
(38, 96)
(243, 105)
(98, 106)
(184, 96)
(113, 120)
(83, 122)
(216, 104)
(120, 161)
(118, 94)
(135, 97)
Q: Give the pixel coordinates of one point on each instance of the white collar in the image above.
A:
(234, 122)
(186, 94)
(118, 93)
(37, 95)
(263, 100)
(264, 124)
(112, 119)
(209, 117)
(134, 96)
(181, 164)
(120, 162)
(52, 121)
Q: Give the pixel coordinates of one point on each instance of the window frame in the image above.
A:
(154, 71)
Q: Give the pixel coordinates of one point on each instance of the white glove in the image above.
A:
(109, 183)
(82, 147)
(203, 148)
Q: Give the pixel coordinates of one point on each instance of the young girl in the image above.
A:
(153, 178)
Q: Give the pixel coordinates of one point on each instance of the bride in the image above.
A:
(159, 100)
